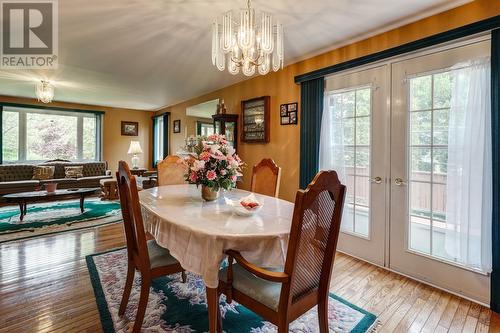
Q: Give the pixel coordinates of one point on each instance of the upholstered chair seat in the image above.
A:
(263, 291)
(159, 256)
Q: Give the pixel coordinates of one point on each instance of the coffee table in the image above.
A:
(24, 198)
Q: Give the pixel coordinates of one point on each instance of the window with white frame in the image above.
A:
(34, 135)
(204, 128)
(160, 138)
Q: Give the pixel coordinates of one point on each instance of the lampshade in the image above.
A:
(135, 148)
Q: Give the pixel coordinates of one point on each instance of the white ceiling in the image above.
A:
(153, 53)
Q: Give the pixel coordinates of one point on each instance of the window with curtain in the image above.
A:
(449, 161)
(160, 138)
(469, 175)
(345, 147)
(450, 164)
(34, 135)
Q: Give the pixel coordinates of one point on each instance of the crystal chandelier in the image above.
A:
(44, 91)
(246, 44)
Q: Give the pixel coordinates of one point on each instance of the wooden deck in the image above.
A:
(45, 287)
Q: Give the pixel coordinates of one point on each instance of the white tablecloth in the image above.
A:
(197, 233)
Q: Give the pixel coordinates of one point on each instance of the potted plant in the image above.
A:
(214, 165)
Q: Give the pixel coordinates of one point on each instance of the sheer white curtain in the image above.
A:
(469, 191)
(331, 144)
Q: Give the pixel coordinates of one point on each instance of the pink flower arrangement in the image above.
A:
(214, 164)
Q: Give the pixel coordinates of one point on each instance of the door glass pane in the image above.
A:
(421, 124)
(420, 166)
(430, 98)
(217, 127)
(230, 128)
(421, 93)
(351, 112)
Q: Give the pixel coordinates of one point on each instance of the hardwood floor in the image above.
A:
(45, 287)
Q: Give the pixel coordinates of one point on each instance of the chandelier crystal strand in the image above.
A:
(215, 44)
(248, 68)
(227, 32)
(266, 38)
(265, 64)
(221, 57)
(278, 55)
(247, 28)
(250, 45)
(232, 66)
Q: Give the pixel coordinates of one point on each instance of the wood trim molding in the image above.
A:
(49, 107)
(464, 31)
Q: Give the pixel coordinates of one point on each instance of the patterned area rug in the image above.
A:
(180, 307)
(54, 217)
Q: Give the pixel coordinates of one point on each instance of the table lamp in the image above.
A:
(135, 149)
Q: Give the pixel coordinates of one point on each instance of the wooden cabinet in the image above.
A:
(227, 124)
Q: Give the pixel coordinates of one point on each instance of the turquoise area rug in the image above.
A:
(53, 217)
(180, 307)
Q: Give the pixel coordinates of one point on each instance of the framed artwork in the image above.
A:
(289, 113)
(130, 128)
(256, 118)
(177, 126)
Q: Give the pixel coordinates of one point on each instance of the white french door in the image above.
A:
(385, 131)
(421, 98)
(356, 107)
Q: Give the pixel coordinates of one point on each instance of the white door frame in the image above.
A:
(386, 263)
(447, 275)
(373, 247)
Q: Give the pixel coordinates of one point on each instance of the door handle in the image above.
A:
(399, 182)
(376, 180)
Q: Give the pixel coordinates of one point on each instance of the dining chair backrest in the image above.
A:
(132, 217)
(313, 236)
(171, 171)
(266, 177)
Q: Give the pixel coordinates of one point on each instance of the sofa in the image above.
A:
(15, 178)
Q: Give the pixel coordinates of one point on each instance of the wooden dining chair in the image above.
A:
(170, 171)
(150, 259)
(281, 296)
(266, 177)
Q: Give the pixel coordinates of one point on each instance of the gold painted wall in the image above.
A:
(285, 140)
(115, 146)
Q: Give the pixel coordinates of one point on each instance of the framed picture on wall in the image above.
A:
(285, 120)
(256, 117)
(177, 126)
(283, 110)
(289, 113)
(130, 128)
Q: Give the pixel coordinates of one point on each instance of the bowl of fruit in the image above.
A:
(246, 206)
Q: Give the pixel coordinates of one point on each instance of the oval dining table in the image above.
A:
(197, 233)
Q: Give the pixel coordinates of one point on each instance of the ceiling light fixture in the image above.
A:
(44, 91)
(248, 45)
